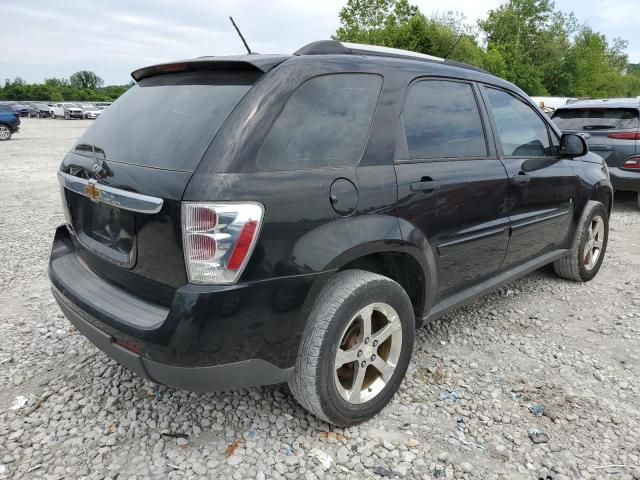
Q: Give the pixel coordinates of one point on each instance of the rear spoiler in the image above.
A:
(255, 63)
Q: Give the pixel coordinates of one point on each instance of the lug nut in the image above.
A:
(375, 343)
(373, 358)
(366, 340)
(359, 353)
(363, 364)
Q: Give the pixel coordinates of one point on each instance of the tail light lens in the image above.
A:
(631, 163)
(625, 136)
(218, 239)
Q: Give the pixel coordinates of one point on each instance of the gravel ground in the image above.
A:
(541, 360)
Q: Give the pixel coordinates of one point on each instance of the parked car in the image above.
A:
(33, 110)
(73, 111)
(313, 211)
(612, 130)
(44, 110)
(9, 122)
(21, 109)
(91, 111)
(59, 109)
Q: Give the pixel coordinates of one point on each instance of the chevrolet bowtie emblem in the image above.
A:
(91, 191)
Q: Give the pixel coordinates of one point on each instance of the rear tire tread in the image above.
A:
(304, 383)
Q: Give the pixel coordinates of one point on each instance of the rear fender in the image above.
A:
(338, 243)
(416, 244)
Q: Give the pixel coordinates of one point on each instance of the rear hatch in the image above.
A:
(611, 132)
(124, 179)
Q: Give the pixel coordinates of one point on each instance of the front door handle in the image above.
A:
(426, 185)
(521, 179)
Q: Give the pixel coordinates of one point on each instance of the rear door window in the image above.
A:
(168, 121)
(325, 123)
(521, 131)
(441, 120)
(596, 119)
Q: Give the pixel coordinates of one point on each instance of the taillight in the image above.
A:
(218, 239)
(625, 136)
(631, 163)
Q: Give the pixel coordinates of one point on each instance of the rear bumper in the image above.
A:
(198, 379)
(624, 180)
(208, 338)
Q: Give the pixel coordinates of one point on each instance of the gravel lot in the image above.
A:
(541, 359)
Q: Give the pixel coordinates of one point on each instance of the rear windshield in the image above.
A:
(168, 121)
(596, 118)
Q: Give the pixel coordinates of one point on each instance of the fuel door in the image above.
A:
(343, 197)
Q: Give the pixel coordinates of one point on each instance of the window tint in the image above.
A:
(596, 118)
(520, 130)
(168, 121)
(441, 119)
(325, 123)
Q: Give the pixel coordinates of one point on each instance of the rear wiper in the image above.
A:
(598, 127)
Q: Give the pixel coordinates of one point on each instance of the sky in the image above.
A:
(43, 39)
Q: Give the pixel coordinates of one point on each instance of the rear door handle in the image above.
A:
(426, 185)
(521, 179)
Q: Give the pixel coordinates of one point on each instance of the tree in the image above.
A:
(398, 24)
(595, 67)
(59, 89)
(528, 42)
(531, 37)
(85, 79)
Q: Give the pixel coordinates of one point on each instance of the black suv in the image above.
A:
(251, 220)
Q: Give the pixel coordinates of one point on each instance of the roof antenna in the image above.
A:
(455, 44)
(241, 37)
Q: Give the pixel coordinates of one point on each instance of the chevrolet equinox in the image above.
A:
(258, 219)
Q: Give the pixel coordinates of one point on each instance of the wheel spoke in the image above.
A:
(385, 369)
(389, 329)
(598, 244)
(365, 315)
(346, 356)
(356, 388)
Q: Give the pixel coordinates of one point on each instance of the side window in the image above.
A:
(325, 123)
(521, 131)
(441, 119)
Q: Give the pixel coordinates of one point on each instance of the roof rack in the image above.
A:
(332, 47)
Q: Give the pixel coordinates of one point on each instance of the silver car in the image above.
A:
(612, 130)
(91, 111)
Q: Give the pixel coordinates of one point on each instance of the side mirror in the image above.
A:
(572, 145)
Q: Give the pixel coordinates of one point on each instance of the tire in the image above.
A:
(579, 266)
(335, 318)
(5, 132)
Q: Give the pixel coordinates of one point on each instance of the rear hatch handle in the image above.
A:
(96, 192)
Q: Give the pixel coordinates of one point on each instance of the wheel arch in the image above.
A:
(374, 243)
(604, 194)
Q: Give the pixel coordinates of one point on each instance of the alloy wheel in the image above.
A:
(5, 133)
(368, 353)
(594, 242)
